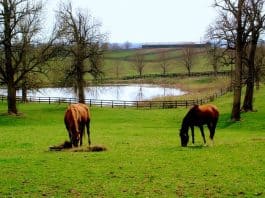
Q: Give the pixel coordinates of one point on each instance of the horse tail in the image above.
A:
(214, 122)
(74, 113)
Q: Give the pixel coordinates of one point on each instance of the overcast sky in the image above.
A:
(147, 20)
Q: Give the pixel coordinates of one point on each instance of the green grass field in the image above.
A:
(144, 157)
(124, 58)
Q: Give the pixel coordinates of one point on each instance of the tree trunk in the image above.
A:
(235, 115)
(248, 100)
(24, 93)
(81, 93)
(215, 68)
(11, 99)
(257, 81)
(80, 82)
(11, 89)
(189, 72)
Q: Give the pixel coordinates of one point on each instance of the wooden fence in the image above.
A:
(125, 104)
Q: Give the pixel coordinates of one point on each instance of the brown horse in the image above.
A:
(77, 117)
(198, 116)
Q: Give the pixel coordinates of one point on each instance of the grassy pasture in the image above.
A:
(144, 157)
(124, 58)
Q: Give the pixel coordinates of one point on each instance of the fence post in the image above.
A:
(49, 100)
(112, 103)
(186, 104)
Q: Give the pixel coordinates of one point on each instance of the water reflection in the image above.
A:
(132, 92)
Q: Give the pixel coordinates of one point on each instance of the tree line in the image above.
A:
(238, 29)
(234, 39)
(24, 53)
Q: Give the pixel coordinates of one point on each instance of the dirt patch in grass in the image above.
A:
(258, 139)
(67, 146)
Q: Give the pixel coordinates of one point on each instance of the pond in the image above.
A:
(128, 92)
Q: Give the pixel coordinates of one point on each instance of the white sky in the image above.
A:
(147, 20)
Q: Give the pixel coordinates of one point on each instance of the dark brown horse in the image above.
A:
(198, 116)
(76, 118)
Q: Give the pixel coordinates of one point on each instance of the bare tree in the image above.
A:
(214, 54)
(163, 61)
(232, 28)
(240, 24)
(16, 16)
(35, 54)
(188, 55)
(80, 33)
(139, 62)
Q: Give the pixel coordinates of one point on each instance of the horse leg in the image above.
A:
(69, 133)
(202, 133)
(192, 133)
(212, 131)
(81, 134)
(88, 132)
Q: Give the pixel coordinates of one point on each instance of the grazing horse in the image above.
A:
(77, 117)
(198, 116)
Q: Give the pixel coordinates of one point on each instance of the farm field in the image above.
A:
(124, 59)
(144, 157)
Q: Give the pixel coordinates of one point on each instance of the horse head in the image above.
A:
(184, 137)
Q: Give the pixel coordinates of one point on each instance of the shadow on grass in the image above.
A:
(197, 147)
(180, 148)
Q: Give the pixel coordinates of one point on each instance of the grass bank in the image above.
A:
(144, 157)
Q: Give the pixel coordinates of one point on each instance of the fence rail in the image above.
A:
(125, 104)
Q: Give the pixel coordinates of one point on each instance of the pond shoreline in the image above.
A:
(123, 92)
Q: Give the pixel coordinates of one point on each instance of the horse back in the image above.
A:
(208, 110)
(204, 114)
(83, 110)
(75, 115)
